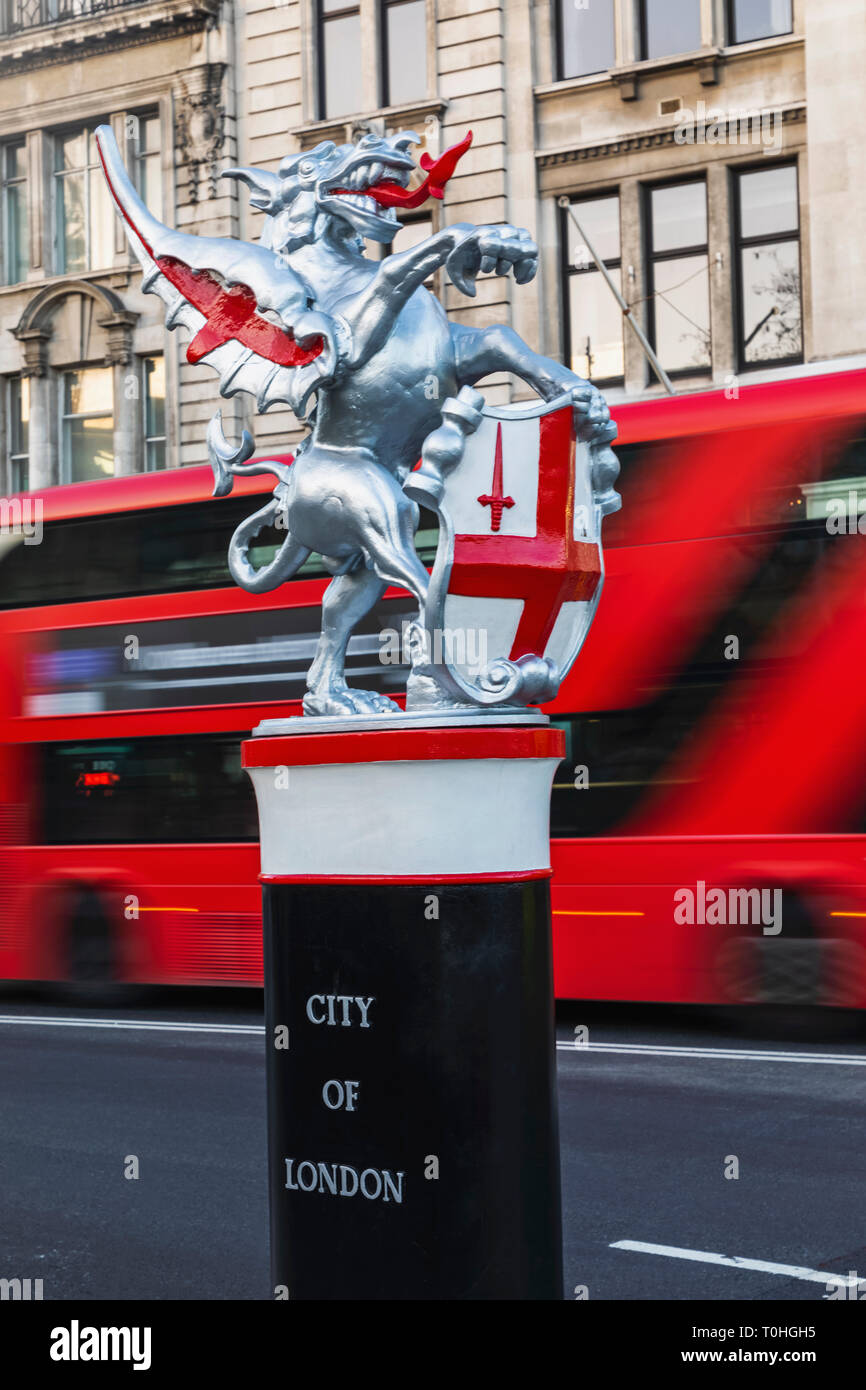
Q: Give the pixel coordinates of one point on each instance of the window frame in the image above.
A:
(568, 270)
(679, 253)
(351, 7)
(150, 113)
(65, 458)
(739, 243)
(58, 176)
(559, 40)
(731, 26)
(7, 182)
(643, 37)
(148, 439)
(382, 8)
(15, 457)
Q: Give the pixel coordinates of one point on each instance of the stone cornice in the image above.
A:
(123, 26)
(658, 138)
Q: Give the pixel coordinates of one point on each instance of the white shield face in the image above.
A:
(513, 499)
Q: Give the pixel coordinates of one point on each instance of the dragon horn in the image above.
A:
(264, 187)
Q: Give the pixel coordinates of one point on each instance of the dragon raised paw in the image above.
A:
(359, 350)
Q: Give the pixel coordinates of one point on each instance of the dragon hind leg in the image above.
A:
(348, 598)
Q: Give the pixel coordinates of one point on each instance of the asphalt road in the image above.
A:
(654, 1108)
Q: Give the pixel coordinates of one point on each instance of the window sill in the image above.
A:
(705, 61)
(775, 364)
(574, 84)
(345, 129)
(736, 50)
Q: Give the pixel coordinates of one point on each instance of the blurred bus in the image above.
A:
(718, 853)
(715, 721)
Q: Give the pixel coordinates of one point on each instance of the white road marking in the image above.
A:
(626, 1049)
(815, 1276)
(731, 1054)
(137, 1024)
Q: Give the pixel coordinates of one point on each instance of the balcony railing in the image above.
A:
(19, 15)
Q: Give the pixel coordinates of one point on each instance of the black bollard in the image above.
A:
(412, 1120)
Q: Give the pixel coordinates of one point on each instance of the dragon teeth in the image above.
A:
(375, 173)
(360, 201)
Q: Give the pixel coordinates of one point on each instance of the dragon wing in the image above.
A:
(217, 288)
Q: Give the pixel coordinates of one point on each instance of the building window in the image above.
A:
(678, 274)
(404, 51)
(16, 257)
(154, 413)
(148, 161)
(593, 317)
(668, 27)
(87, 425)
(758, 19)
(340, 74)
(585, 37)
(18, 418)
(85, 219)
(767, 226)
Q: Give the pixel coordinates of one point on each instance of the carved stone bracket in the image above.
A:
(118, 328)
(199, 129)
(35, 343)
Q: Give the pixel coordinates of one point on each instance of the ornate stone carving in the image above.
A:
(199, 129)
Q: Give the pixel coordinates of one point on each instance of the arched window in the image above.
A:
(88, 393)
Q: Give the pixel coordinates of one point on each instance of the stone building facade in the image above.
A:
(707, 148)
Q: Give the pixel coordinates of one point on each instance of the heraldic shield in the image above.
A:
(519, 566)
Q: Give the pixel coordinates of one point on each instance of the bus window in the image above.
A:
(157, 550)
(613, 760)
(808, 480)
(257, 654)
(187, 789)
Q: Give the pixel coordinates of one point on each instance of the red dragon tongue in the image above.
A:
(439, 171)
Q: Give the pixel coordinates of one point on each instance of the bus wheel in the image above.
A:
(792, 984)
(91, 964)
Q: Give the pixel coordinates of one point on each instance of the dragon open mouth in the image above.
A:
(366, 189)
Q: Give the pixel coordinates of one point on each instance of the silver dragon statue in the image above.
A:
(365, 357)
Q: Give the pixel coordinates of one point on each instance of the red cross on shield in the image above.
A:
(527, 567)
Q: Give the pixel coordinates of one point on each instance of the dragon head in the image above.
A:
(360, 186)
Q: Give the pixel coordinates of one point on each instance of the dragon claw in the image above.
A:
(341, 700)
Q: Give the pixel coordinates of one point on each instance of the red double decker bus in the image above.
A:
(707, 823)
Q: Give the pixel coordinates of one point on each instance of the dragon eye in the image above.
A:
(307, 167)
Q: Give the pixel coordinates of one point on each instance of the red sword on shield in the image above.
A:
(494, 499)
(544, 570)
